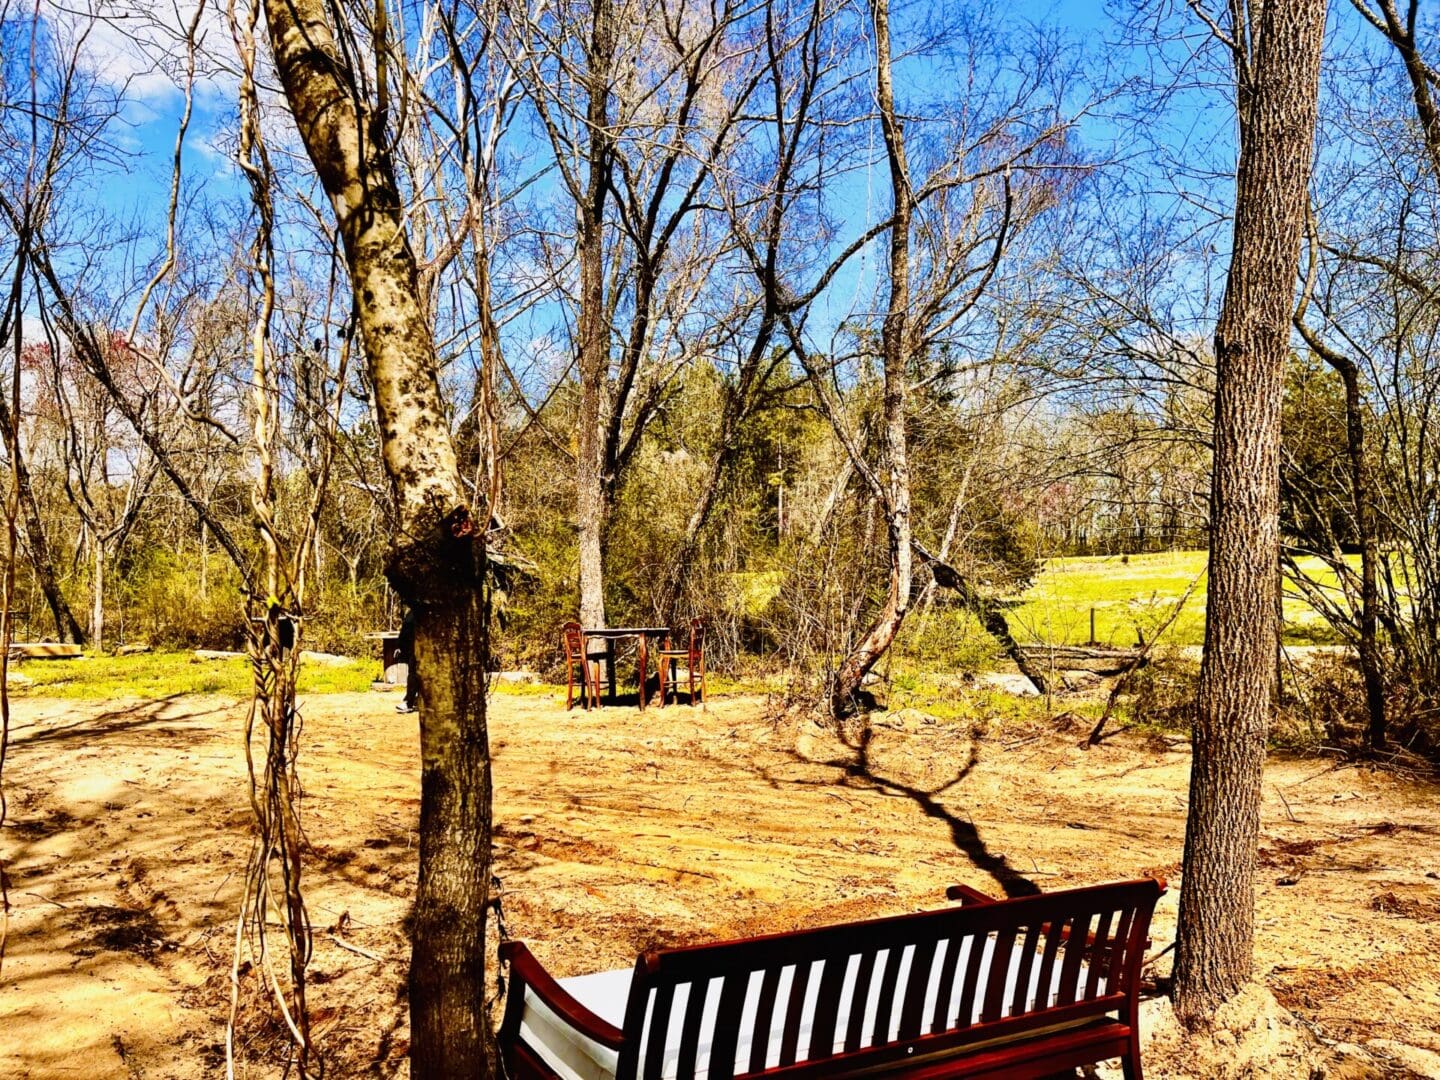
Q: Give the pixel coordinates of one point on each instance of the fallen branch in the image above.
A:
(986, 609)
(1140, 658)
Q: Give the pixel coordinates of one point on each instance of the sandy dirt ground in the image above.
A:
(619, 831)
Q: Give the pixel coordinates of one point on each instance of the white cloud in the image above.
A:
(138, 46)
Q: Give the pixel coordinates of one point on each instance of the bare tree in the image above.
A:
(437, 560)
(1275, 51)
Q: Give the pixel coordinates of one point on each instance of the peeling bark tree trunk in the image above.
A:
(1277, 63)
(67, 628)
(894, 346)
(592, 503)
(97, 598)
(437, 561)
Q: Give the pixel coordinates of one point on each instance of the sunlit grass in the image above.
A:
(168, 674)
(1134, 594)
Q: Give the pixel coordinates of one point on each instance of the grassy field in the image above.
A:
(1136, 593)
(166, 674)
(1129, 595)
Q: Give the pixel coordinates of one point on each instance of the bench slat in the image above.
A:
(827, 1005)
(886, 1002)
(1099, 954)
(855, 1029)
(1020, 999)
(973, 960)
(1054, 934)
(764, 1019)
(940, 1019)
(1074, 953)
(659, 1031)
(995, 980)
(793, 1008)
(727, 1025)
(690, 1027)
(1117, 973)
(922, 966)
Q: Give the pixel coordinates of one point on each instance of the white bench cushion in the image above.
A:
(606, 993)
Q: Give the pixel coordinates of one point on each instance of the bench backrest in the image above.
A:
(887, 990)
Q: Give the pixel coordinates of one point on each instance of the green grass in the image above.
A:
(1138, 592)
(167, 674)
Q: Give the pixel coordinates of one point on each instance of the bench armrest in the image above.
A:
(525, 971)
(966, 895)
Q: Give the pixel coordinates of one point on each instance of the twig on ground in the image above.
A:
(356, 949)
(57, 903)
(1289, 813)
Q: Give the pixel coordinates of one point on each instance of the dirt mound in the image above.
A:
(1254, 1038)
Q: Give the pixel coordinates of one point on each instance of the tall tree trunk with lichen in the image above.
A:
(1277, 63)
(894, 348)
(437, 560)
(97, 592)
(592, 495)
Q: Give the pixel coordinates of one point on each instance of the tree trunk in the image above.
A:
(1277, 68)
(97, 593)
(591, 498)
(67, 627)
(894, 346)
(437, 561)
(1370, 667)
(1400, 30)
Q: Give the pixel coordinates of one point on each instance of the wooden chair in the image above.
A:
(694, 657)
(573, 639)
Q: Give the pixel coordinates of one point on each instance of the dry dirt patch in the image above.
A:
(617, 832)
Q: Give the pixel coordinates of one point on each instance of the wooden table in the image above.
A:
(642, 635)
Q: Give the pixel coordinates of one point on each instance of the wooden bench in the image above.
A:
(953, 992)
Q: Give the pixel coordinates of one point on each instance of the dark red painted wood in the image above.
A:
(885, 1002)
(790, 1037)
(912, 1012)
(827, 1005)
(1098, 955)
(700, 991)
(855, 1030)
(974, 961)
(1020, 999)
(764, 1019)
(1074, 954)
(995, 979)
(1050, 931)
(659, 1030)
(727, 1026)
(1054, 935)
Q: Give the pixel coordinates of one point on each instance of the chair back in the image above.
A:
(574, 641)
(697, 640)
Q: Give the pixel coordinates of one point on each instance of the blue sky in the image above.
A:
(1171, 160)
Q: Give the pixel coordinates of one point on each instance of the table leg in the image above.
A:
(610, 667)
(644, 685)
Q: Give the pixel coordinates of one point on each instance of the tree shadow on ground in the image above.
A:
(859, 770)
(89, 727)
(963, 832)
